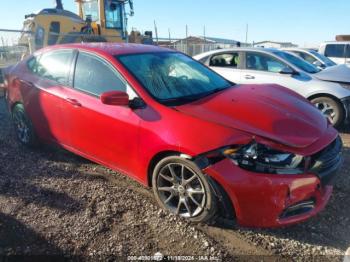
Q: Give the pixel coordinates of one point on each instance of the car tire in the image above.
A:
(330, 108)
(24, 127)
(181, 188)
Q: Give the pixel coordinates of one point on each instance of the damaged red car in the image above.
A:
(260, 154)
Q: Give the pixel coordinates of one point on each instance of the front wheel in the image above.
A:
(330, 109)
(182, 189)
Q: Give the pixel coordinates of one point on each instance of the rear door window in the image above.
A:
(95, 76)
(335, 50)
(55, 66)
(225, 60)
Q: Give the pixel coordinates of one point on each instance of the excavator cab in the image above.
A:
(97, 21)
(108, 17)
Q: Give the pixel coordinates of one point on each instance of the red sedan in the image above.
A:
(258, 153)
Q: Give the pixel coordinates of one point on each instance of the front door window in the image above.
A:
(113, 14)
(262, 62)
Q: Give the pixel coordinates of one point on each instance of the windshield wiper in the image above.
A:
(191, 98)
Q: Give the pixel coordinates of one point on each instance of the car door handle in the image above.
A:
(249, 77)
(73, 102)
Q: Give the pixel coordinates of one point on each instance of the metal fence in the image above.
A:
(10, 50)
(13, 48)
(193, 49)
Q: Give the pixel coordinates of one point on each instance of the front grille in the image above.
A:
(299, 208)
(327, 162)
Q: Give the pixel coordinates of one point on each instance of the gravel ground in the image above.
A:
(55, 203)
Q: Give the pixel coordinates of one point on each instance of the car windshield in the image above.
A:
(298, 62)
(323, 58)
(173, 78)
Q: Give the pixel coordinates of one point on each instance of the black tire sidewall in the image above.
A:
(210, 208)
(33, 141)
(336, 105)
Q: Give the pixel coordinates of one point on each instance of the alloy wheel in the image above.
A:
(181, 190)
(22, 128)
(327, 110)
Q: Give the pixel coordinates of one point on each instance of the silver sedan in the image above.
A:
(329, 93)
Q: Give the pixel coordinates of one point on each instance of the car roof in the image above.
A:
(237, 49)
(296, 49)
(336, 43)
(112, 48)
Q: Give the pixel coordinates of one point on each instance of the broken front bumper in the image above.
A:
(265, 200)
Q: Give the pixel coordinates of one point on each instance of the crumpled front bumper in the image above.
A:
(270, 200)
(260, 200)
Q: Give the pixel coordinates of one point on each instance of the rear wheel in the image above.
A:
(182, 189)
(330, 109)
(23, 127)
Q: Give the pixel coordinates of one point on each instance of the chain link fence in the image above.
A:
(15, 44)
(196, 45)
(11, 50)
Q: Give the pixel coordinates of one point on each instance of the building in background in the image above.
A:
(273, 44)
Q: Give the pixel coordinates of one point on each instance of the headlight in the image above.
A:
(263, 159)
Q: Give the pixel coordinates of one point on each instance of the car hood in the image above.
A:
(338, 73)
(268, 111)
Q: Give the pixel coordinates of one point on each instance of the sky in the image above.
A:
(304, 22)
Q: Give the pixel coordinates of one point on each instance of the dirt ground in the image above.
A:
(55, 203)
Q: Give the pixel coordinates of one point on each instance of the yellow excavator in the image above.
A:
(96, 21)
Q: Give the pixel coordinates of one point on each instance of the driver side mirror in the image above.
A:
(288, 71)
(115, 98)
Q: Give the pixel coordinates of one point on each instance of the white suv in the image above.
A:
(339, 52)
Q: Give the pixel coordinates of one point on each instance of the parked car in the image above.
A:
(208, 147)
(312, 56)
(339, 52)
(264, 65)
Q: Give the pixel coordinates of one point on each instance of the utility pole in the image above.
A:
(205, 41)
(246, 34)
(186, 40)
(156, 31)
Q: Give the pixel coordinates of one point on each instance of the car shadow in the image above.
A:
(16, 239)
